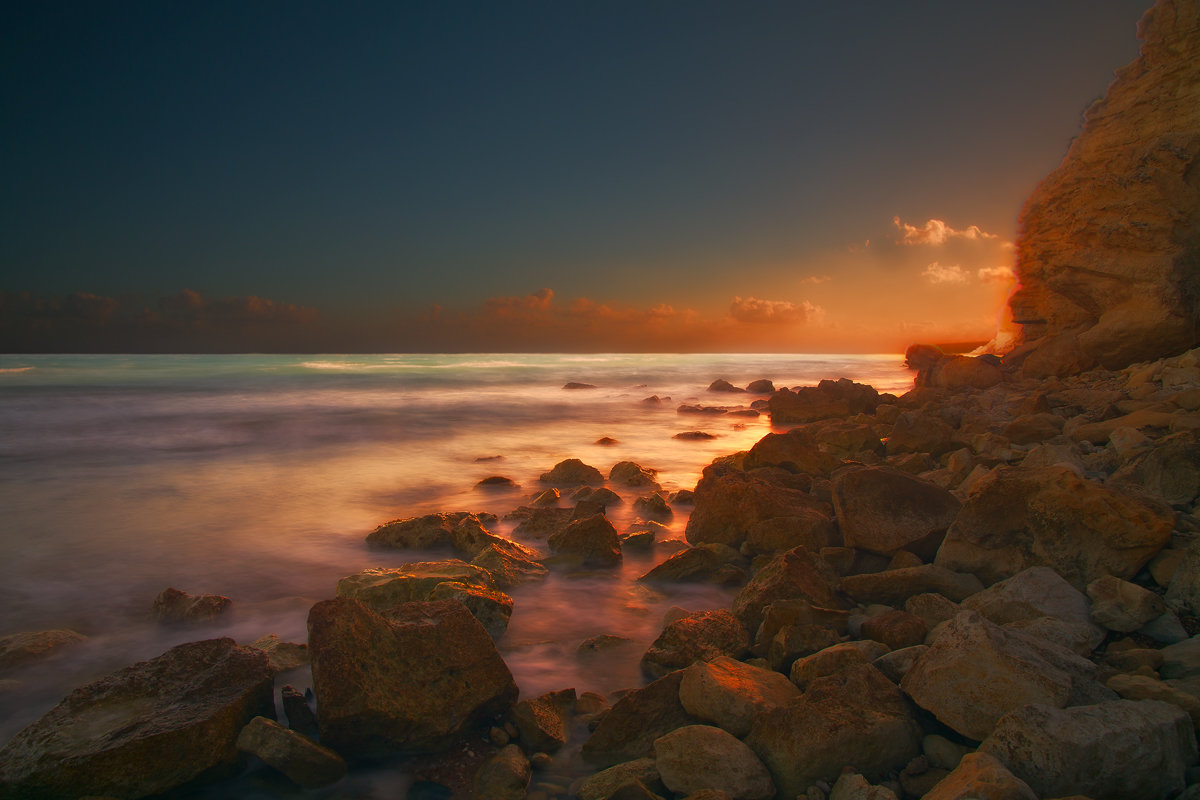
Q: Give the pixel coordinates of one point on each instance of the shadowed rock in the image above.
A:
(305, 763)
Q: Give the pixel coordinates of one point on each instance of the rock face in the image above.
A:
(1109, 254)
(409, 681)
(145, 729)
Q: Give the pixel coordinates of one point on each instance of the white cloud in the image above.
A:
(995, 273)
(935, 232)
(751, 309)
(936, 273)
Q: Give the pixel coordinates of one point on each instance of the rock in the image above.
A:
(600, 644)
(304, 762)
(574, 385)
(840, 398)
(695, 409)
(895, 586)
(174, 607)
(896, 629)
(591, 542)
(1133, 658)
(884, 510)
(896, 664)
(760, 386)
(808, 528)
(542, 720)
(504, 776)
(1162, 567)
(508, 568)
(1018, 518)
(602, 785)
(932, 607)
(942, 752)
(852, 786)
(980, 776)
(496, 482)
(833, 659)
(541, 523)
(695, 436)
(597, 494)
(411, 681)
(653, 506)
(728, 506)
(1123, 606)
(795, 573)
(792, 642)
(1183, 592)
(959, 372)
(847, 439)
(1169, 471)
(573, 472)
(300, 716)
(19, 650)
(282, 655)
(780, 614)
(1181, 660)
(697, 757)
(855, 716)
(606, 441)
(701, 636)
(713, 563)
(628, 731)
(144, 729)
(1117, 293)
(917, 432)
(728, 693)
(381, 588)
(1033, 428)
(1121, 750)
(1143, 687)
(432, 531)
(1036, 593)
(796, 451)
(491, 607)
(722, 385)
(976, 672)
(629, 473)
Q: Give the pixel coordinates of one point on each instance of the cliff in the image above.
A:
(1108, 257)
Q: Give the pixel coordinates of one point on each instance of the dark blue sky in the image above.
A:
(371, 157)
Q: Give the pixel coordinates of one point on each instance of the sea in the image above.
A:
(258, 477)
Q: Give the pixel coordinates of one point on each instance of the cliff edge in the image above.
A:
(1108, 258)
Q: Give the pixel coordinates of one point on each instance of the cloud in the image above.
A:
(1003, 274)
(936, 273)
(753, 310)
(817, 279)
(935, 232)
(530, 305)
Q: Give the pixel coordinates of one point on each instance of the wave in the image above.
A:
(15, 369)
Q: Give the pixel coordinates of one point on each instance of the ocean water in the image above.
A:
(258, 477)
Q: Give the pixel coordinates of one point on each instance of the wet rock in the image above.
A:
(597, 494)
(381, 587)
(547, 497)
(145, 729)
(572, 472)
(1123, 606)
(300, 716)
(591, 542)
(895, 586)
(976, 672)
(410, 681)
(430, 532)
(696, 436)
(710, 563)
(1121, 750)
(722, 385)
(174, 607)
(760, 386)
(632, 474)
(840, 398)
(504, 776)
(542, 720)
(508, 568)
(540, 523)
(833, 659)
(728, 506)
(896, 629)
(795, 573)
(807, 528)
(19, 650)
(628, 731)
(653, 506)
(885, 510)
(855, 716)
(1018, 518)
(282, 655)
(697, 757)
(701, 636)
(980, 776)
(497, 482)
(728, 693)
(491, 607)
(603, 784)
(795, 451)
(304, 762)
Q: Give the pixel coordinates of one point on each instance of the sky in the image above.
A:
(529, 176)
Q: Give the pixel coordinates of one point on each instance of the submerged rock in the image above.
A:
(591, 542)
(145, 729)
(409, 681)
(573, 472)
(174, 607)
(18, 650)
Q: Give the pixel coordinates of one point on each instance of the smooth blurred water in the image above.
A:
(258, 477)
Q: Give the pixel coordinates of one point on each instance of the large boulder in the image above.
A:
(573, 472)
(919, 432)
(632, 474)
(1170, 470)
(854, 717)
(711, 563)
(382, 587)
(628, 730)
(700, 636)
(145, 729)
(1096, 289)
(1038, 600)
(1018, 518)
(1120, 750)
(430, 532)
(410, 681)
(730, 693)
(306, 763)
(884, 510)
(805, 528)
(840, 398)
(975, 672)
(728, 506)
(1123, 606)
(980, 776)
(894, 586)
(697, 757)
(795, 573)
(796, 451)
(590, 542)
